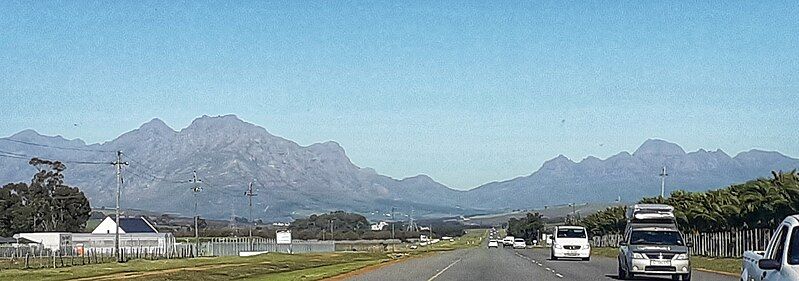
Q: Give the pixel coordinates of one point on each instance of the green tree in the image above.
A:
(46, 204)
(528, 227)
(760, 203)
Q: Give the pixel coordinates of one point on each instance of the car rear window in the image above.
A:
(643, 237)
(571, 233)
(519, 240)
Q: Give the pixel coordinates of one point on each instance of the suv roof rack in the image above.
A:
(650, 212)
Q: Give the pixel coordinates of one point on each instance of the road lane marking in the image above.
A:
(559, 275)
(442, 271)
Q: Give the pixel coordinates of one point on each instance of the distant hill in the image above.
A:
(295, 181)
(629, 176)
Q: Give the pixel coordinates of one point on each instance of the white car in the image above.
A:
(570, 242)
(780, 261)
(519, 243)
(508, 241)
(493, 244)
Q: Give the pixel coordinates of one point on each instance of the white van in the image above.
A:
(570, 242)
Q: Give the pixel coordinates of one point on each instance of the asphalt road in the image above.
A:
(506, 264)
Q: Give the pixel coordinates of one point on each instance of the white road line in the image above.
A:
(559, 275)
(442, 271)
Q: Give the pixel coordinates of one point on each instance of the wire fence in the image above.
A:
(38, 257)
(225, 246)
(730, 244)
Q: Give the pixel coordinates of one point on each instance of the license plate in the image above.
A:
(660, 262)
(572, 254)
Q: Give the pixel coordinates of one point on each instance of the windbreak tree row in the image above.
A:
(761, 203)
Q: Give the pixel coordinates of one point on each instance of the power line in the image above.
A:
(14, 156)
(139, 163)
(28, 157)
(56, 147)
(151, 177)
(222, 190)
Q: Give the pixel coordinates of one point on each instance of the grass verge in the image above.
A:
(725, 265)
(272, 266)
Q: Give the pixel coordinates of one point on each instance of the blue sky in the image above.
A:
(466, 92)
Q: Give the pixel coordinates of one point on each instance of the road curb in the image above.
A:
(718, 272)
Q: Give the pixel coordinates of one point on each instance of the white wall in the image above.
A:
(50, 240)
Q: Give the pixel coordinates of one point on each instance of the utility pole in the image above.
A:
(250, 194)
(663, 176)
(412, 225)
(331, 229)
(393, 222)
(196, 190)
(118, 164)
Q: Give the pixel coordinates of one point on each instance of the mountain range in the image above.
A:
(293, 180)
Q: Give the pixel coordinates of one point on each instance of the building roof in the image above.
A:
(136, 225)
(126, 225)
(12, 240)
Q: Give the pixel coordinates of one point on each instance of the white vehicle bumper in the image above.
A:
(583, 252)
(646, 266)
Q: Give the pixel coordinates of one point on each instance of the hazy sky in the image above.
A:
(465, 92)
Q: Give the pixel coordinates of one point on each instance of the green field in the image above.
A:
(732, 266)
(272, 266)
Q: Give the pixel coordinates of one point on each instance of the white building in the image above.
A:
(128, 225)
(55, 241)
(129, 242)
(379, 226)
(135, 234)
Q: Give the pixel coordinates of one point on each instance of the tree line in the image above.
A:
(760, 203)
(44, 205)
(340, 225)
(528, 228)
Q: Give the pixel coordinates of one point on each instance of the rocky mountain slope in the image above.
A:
(629, 176)
(294, 180)
(227, 153)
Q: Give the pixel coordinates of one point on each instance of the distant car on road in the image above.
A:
(508, 241)
(493, 244)
(519, 243)
(780, 261)
(570, 242)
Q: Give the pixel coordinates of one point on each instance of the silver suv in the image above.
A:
(654, 250)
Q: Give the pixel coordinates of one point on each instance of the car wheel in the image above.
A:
(552, 256)
(686, 277)
(587, 259)
(621, 273)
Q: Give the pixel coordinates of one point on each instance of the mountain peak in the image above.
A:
(157, 125)
(658, 147)
(25, 134)
(219, 119)
(558, 162)
(561, 159)
(228, 123)
(34, 136)
(420, 178)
